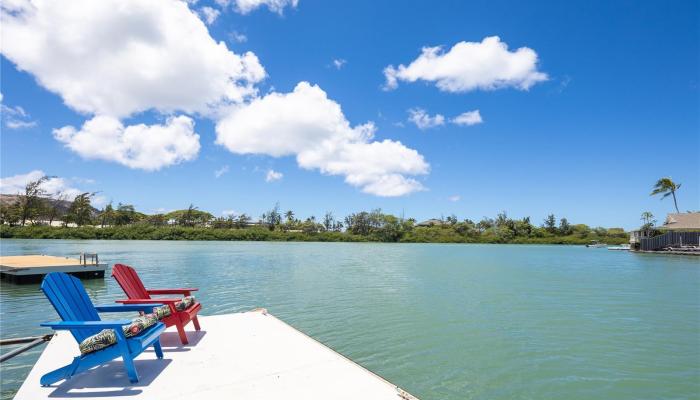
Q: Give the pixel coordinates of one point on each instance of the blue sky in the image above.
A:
(619, 108)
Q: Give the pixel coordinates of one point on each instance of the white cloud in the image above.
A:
(148, 147)
(423, 120)
(229, 213)
(121, 57)
(221, 171)
(238, 37)
(307, 124)
(467, 66)
(338, 63)
(455, 198)
(209, 14)
(468, 118)
(273, 175)
(15, 117)
(53, 186)
(246, 6)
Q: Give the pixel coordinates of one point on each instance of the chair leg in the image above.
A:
(158, 349)
(131, 369)
(126, 357)
(181, 332)
(195, 321)
(61, 373)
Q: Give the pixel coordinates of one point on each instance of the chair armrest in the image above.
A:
(148, 301)
(67, 325)
(169, 302)
(128, 307)
(182, 291)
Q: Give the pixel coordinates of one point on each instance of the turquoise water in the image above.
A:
(441, 321)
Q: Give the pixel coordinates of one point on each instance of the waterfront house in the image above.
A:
(683, 222)
(678, 230)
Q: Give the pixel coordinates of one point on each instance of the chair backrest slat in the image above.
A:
(130, 282)
(70, 300)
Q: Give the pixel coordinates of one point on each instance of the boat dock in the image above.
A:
(32, 268)
(250, 355)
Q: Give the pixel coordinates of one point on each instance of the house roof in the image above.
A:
(682, 221)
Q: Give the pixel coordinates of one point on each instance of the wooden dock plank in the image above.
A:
(32, 268)
(38, 261)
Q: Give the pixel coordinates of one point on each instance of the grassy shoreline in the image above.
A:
(417, 235)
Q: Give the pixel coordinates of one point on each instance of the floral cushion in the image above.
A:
(108, 337)
(164, 310)
(185, 303)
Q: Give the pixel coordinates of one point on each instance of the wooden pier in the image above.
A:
(250, 355)
(32, 268)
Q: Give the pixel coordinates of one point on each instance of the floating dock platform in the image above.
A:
(250, 355)
(31, 269)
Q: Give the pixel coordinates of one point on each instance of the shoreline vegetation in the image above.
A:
(433, 234)
(36, 214)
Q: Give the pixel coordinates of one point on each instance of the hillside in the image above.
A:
(63, 205)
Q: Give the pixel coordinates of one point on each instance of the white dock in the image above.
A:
(250, 355)
(32, 268)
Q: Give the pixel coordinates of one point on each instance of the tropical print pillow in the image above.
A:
(185, 303)
(108, 337)
(162, 311)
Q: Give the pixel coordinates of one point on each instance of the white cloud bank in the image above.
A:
(113, 59)
(116, 58)
(467, 66)
(468, 118)
(148, 147)
(423, 120)
(120, 57)
(307, 124)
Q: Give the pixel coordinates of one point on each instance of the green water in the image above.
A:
(441, 321)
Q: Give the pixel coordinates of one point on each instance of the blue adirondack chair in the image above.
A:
(67, 295)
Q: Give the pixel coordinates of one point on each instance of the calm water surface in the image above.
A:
(441, 321)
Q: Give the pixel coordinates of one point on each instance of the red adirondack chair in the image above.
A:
(130, 282)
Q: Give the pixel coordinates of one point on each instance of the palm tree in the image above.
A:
(668, 187)
(649, 221)
(648, 217)
(289, 215)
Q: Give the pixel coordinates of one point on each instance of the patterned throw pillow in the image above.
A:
(107, 337)
(162, 311)
(185, 303)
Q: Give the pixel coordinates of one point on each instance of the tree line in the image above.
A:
(37, 208)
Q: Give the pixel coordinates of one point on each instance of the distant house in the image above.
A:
(683, 222)
(680, 229)
(431, 222)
